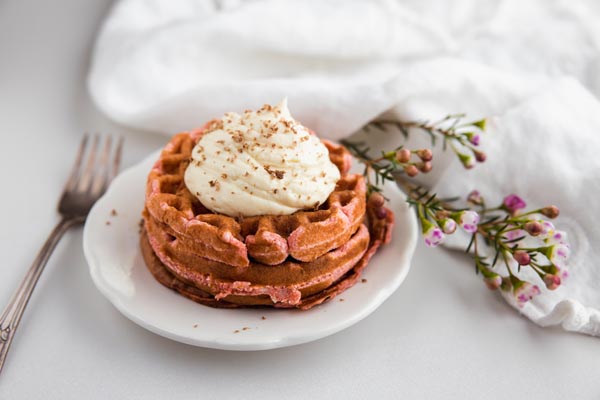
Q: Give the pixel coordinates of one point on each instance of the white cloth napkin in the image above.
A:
(169, 66)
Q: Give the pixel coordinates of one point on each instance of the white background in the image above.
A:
(442, 335)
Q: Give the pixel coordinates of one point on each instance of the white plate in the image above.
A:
(111, 247)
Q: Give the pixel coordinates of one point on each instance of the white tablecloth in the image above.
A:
(461, 342)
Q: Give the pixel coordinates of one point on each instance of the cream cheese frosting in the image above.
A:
(260, 163)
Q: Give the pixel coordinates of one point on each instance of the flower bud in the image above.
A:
(411, 170)
(534, 228)
(522, 257)
(473, 137)
(424, 154)
(376, 200)
(475, 197)
(441, 214)
(550, 212)
(425, 167)
(381, 212)
(493, 282)
(480, 156)
(403, 156)
(524, 291)
(467, 161)
(552, 281)
(480, 124)
(448, 225)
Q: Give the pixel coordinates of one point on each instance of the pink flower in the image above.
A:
(559, 253)
(524, 292)
(547, 227)
(432, 234)
(552, 235)
(557, 237)
(562, 272)
(468, 220)
(512, 235)
(513, 203)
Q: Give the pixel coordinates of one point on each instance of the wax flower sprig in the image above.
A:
(463, 138)
(389, 164)
(512, 239)
(504, 238)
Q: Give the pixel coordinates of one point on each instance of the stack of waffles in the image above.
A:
(284, 261)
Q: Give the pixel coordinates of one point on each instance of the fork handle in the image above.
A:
(11, 315)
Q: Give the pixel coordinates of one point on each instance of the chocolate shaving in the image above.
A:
(274, 172)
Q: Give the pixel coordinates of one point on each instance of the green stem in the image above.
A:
(506, 263)
(420, 211)
(538, 269)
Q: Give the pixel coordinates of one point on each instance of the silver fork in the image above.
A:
(87, 182)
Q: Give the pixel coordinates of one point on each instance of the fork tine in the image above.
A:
(102, 172)
(77, 165)
(117, 159)
(86, 178)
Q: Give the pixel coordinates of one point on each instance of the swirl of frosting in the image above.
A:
(260, 163)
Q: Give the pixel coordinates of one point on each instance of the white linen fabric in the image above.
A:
(534, 66)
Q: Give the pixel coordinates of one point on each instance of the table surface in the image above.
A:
(441, 335)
